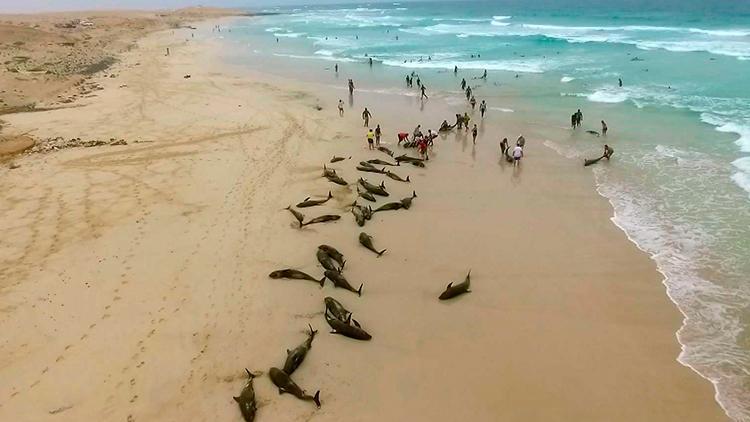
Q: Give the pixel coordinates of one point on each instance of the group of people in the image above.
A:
(410, 84)
(517, 152)
(576, 119)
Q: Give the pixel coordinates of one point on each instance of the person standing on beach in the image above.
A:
(573, 120)
(417, 132)
(473, 102)
(517, 155)
(370, 139)
(604, 128)
(619, 80)
(463, 84)
(423, 92)
(466, 120)
(579, 117)
(370, 61)
(336, 68)
(504, 146)
(474, 133)
(351, 87)
(521, 141)
(366, 117)
(377, 135)
(484, 76)
(408, 81)
(483, 108)
(455, 70)
(341, 108)
(468, 92)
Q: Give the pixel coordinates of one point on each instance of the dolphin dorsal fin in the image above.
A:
(449, 285)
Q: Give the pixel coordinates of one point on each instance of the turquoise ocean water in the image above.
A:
(680, 123)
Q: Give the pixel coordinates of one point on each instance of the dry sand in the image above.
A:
(134, 287)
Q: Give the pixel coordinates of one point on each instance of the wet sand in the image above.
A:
(134, 277)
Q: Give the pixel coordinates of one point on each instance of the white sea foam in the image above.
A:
(608, 96)
(531, 66)
(742, 177)
(274, 29)
(501, 109)
(326, 58)
(566, 79)
(288, 34)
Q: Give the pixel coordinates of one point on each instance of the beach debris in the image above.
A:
(452, 291)
(284, 382)
(246, 399)
(186, 76)
(58, 143)
(336, 309)
(298, 215)
(322, 219)
(366, 241)
(347, 330)
(374, 189)
(13, 165)
(334, 254)
(406, 202)
(295, 275)
(314, 202)
(327, 262)
(295, 356)
(341, 282)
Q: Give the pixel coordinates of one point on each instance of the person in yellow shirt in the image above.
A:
(371, 139)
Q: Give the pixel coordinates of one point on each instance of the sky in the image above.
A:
(10, 6)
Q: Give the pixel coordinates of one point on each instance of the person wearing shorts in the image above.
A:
(517, 155)
(402, 137)
(370, 139)
(377, 135)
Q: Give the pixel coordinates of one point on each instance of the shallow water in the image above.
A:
(680, 124)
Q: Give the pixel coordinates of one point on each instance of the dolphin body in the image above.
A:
(406, 202)
(296, 275)
(334, 254)
(452, 291)
(314, 202)
(340, 281)
(284, 382)
(366, 241)
(322, 219)
(352, 331)
(336, 309)
(246, 399)
(295, 356)
(327, 262)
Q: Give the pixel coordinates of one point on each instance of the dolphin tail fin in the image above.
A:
(382, 185)
(305, 199)
(322, 281)
(316, 398)
(349, 319)
(330, 195)
(359, 291)
(381, 252)
(407, 179)
(312, 331)
(413, 194)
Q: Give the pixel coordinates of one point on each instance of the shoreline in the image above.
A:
(347, 132)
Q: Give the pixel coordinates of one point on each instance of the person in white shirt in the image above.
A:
(517, 154)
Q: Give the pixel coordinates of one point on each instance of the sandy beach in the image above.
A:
(134, 275)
